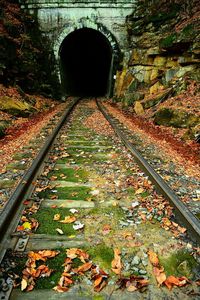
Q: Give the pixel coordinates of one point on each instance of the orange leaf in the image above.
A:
(177, 281)
(98, 280)
(101, 286)
(116, 263)
(153, 258)
(85, 267)
(60, 289)
(68, 219)
(72, 253)
(160, 275)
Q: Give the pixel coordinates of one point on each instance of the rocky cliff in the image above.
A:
(161, 78)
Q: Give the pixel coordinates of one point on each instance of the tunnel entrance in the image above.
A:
(85, 58)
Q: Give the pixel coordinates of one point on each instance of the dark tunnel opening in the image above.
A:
(85, 58)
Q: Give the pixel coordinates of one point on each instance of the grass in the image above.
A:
(102, 255)
(55, 264)
(48, 225)
(172, 263)
(68, 193)
(116, 212)
(70, 173)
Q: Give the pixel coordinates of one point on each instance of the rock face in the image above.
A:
(164, 60)
(25, 58)
(3, 126)
(15, 106)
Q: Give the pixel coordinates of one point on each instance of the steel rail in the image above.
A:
(11, 207)
(186, 216)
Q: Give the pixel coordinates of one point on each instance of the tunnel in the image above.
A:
(85, 63)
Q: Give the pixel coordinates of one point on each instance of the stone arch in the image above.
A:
(87, 23)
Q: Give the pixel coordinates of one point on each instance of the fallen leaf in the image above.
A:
(24, 284)
(68, 219)
(160, 275)
(78, 225)
(131, 288)
(139, 191)
(106, 229)
(59, 231)
(153, 258)
(85, 267)
(60, 289)
(53, 206)
(98, 280)
(72, 253)
(116, 262)
(27, 225)
(56, 217)
(177, 281)
(73, 210)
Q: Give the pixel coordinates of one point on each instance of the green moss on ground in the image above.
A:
(70, 173)
(68, 193)
(180, 263)
(55, 264)
(48, 226)
(101, 255)
(117, 213)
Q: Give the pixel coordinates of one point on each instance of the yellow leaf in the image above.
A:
(139, 191)
(27, 225)
(131, 288)
(56, 217)
(68, 219)
(59, 231)
(24, 284)
(72, 253)
(153, 257)
(116, 263)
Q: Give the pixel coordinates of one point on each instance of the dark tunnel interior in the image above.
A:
(85, 58)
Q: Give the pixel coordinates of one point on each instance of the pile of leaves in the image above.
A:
(97, 275)
(188, 152)
(32, 272)
(160, 275)
(156, 206)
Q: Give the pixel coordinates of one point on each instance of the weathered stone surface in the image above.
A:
(3, 126)
(176, 118)
(155, 99)
(139, 110)
(156, 88)
(15, 107)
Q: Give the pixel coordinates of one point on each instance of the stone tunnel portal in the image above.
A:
(86, 62)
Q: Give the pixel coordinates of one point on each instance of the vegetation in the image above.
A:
(25, 59)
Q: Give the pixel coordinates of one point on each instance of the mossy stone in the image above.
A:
(175, 118)
(3, 126)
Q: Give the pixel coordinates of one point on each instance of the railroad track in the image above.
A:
(86, 178)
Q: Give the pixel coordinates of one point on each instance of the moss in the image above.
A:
(3, 126)
(68, 193)
(48, 226)
(98, 297)
(168, 41)
(144, 194)
(15, 107)
(131, 191)
(102, 255)
(19, 156)
(180, 263)
(4, 184)
(116, 212)
(70, 173)
(55, 264)
(175, 118)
